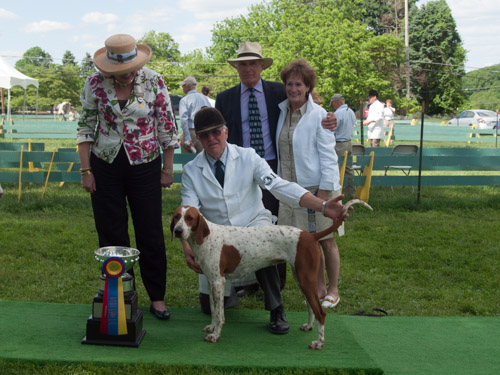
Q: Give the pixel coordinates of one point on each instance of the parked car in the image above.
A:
(484, 118)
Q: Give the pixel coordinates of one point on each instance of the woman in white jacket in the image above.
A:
(306, 155)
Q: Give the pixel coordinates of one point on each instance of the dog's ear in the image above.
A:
(175, 219)
(202, 230)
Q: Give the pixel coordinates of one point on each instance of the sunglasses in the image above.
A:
(214, 133)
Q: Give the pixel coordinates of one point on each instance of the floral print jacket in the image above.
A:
(144, 126)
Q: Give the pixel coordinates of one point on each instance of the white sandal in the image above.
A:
(329, 302)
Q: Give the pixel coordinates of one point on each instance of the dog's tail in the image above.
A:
(338, 222)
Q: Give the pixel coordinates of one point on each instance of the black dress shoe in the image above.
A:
(279, 325)
(163, 315)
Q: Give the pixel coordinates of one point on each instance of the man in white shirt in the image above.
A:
(236, 199)
(188, 106)
(343, 135)
(375, 119)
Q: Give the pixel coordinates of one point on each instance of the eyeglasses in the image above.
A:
(214, 133)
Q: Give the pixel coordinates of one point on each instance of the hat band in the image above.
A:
(249, 54)
(122, 58)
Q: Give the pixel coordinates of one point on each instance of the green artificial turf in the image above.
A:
(50, 332)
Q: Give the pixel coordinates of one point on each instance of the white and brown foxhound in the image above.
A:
(233, 252)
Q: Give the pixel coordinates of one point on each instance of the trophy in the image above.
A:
(115, 319)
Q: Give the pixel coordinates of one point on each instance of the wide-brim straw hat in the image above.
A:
(121, 55)
(251, 51)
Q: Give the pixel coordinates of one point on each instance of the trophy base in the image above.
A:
(132, 339)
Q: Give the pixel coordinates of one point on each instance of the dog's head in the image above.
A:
(188, 222)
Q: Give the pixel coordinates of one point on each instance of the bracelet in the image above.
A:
(323, 206)
(88, 171)
(167, 171)
(85, 169)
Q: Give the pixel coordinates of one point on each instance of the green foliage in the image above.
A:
(354, 46)
(409, 106)
(68, 58)
(347, 57)
(437, 57)
(57, 83)
(162, 45)
(34, 56)
(86, 66)
(483, 86)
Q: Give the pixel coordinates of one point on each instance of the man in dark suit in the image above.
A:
(233, 104)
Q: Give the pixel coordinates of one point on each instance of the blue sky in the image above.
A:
(81, 26)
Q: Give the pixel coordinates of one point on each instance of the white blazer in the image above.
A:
(376, 113)
(239, 203)
(315, 159)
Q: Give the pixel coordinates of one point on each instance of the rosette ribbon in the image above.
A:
(113, 317)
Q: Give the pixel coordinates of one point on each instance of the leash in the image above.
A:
(376, 313)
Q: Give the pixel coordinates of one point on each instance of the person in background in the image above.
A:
(389, 111)
(126, 122)
(205, 90)
(346, 119)
(375, 119)
(73, 114)
(234, 104)
(318, 99)
(224, 182)
(306, 156)
(188, 106)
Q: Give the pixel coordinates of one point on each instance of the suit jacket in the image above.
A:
(228, 103)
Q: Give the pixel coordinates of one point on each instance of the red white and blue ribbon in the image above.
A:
(113, 317)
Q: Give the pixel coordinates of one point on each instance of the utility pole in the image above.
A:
(407, 48)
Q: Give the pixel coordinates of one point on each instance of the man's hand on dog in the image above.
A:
(189, 255)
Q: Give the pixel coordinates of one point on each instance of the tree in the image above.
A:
(437, 58)
(346, 55)
(162, 45)
(56, 83)
(35, 56)
(86, 66)
(68, 58)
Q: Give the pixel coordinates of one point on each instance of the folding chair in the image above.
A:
(402, 150)
(357, 150)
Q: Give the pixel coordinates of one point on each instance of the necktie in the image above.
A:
(219, 172)
(256, 139)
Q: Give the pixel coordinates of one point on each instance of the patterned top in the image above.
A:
(145, 124)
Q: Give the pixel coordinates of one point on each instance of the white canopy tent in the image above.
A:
(10, 77)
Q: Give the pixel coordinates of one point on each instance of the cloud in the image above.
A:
(7, 15)
(44, 26)
(215, 10)
(99, 18)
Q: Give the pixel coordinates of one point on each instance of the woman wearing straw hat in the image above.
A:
(126, 122)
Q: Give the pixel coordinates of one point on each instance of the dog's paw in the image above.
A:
(212, 338)
(306, 327)
(209, 328)
(316, 345)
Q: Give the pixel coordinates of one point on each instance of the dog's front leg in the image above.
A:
(217, 306)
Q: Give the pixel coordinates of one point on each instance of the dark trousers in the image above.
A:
(139, 185)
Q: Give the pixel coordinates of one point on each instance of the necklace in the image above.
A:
(124, 85)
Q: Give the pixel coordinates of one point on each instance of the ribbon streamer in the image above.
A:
(113, 317)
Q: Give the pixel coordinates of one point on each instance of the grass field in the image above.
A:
(436, 258)
(439, 257)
